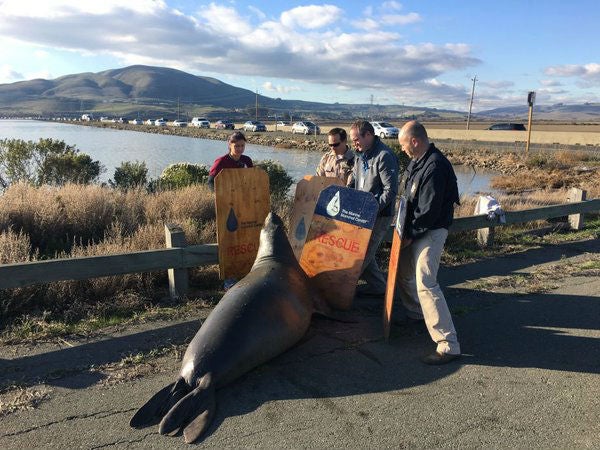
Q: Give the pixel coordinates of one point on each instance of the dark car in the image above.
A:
(508, 126)
(225, 125)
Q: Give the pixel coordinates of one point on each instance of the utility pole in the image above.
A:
(530, 101)
(256, 114)
(474, 79)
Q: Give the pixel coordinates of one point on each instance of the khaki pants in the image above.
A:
(420, 292)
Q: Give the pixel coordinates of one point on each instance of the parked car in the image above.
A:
(305, 127)
(508, 126)
(180, 123)
(385, 130)
(160, 122)
(149, 122)
(254, 125)
(136, 122)
(281, 123)
(225, 125)
(200, 122)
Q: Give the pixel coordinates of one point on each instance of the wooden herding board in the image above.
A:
(390, 288)
(337, 242)
(242, 203)
(305, 199)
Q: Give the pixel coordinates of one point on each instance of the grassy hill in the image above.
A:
(146, 90)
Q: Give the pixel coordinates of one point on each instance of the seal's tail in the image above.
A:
(193, 413)
(160, 403)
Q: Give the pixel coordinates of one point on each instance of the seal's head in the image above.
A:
(274, 243)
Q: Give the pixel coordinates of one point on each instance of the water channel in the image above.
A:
(112, 147)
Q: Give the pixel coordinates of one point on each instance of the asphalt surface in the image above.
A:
(528, 377)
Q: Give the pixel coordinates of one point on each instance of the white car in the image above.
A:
(160, 122)
(200, 122)
(179, 123)
(305, 127)
(136, 122)
(385, 130)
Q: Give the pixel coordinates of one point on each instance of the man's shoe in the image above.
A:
(437, 359)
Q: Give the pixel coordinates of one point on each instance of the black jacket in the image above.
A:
(431, 191)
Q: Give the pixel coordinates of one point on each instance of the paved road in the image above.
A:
(529, 377)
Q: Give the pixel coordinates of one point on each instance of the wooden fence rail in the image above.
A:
(184, 257)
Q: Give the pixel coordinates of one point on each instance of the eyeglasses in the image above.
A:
(335, 144)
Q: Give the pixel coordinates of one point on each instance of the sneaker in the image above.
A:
(437, 359)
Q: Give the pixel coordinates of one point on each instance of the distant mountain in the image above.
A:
(147, 90)
(559, 111)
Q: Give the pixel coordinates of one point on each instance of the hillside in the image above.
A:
(560, 111)
(147, 90)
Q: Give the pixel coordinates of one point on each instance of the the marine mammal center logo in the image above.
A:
(333, 207)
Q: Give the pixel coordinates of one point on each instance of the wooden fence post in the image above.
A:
(178, 278)
(576, 220)
(485, 236)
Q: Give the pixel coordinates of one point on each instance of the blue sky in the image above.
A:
(422, 53)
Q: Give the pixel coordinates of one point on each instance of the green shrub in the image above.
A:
(279, 180)
(180, 175)
(403, 158)
(69, 167)
(47, 161)
(130, 175)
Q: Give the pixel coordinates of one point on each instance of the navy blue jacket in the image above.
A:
(431, 192)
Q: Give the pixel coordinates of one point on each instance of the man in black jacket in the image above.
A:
(431, 192)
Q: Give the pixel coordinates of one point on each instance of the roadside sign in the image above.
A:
(390, 288)
(305, 199)
(337, 242)
(242, 203)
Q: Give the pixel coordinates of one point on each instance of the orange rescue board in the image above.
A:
(305, 199)
(393, 268)
(337, 242)
(242, 202)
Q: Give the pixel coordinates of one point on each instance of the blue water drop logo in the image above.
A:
(232, 222)
(300, 232)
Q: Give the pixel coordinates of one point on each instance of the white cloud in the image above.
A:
(257, 12)
(217, 39)
(589, 74)
(550, 83)
(9, 75)
(366, 24)
(311, 17)
(392, 5)
(269, 86)
(399, 19)
(224, 20)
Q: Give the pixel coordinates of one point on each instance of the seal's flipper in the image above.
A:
(154, 409)
(193, 413)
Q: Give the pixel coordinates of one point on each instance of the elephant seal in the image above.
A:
(264, 314)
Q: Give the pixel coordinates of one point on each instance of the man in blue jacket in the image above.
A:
(431, 192)
(375, 171)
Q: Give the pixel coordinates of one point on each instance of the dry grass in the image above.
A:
(77, 221)
(18, 398)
